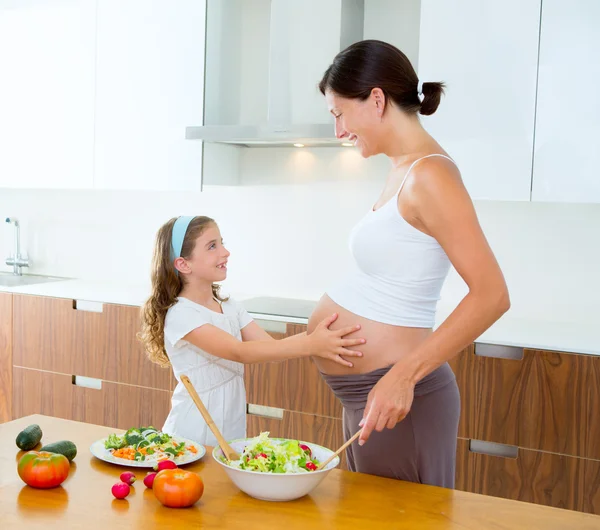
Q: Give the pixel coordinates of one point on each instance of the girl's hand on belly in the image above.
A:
(388, 403)
(331, 344)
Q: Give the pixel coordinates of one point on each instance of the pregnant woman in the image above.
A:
(402, 392)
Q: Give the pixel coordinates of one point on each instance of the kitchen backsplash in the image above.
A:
(291, 240)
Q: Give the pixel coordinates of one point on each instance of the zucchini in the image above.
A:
(64, 447)
(29, 437)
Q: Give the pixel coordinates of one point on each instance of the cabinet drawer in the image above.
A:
(291, 385)
(113, 405)
(546, 401)
(50, 334)
(327, 432)
(533, 476)
(6, 361)
(463, 367)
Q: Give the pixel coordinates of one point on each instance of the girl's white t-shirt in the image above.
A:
(219, 382)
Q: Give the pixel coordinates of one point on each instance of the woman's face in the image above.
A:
(359, 122)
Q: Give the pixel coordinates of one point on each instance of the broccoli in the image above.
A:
(115, 442)
(133, 438)
(164, 438)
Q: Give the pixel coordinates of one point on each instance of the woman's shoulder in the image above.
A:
(435, 166)
(432, 175)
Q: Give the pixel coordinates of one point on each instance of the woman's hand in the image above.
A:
(330, 344)
(388, 403)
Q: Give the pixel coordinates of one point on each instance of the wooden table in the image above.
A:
(343, 500)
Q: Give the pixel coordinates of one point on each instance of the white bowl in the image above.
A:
(277, 486)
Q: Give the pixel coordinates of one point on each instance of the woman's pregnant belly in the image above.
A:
(386, 344)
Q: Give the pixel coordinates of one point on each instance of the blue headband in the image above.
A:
(179, 229)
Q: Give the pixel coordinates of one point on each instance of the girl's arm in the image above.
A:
(323, 342)
(254, 332)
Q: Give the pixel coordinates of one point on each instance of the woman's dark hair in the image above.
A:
(370, 64)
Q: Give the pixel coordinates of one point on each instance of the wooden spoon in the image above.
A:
(228, 451)
(322, 465)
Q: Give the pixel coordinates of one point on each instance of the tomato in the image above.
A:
(311, 466)
(42, 469)
(177, 488)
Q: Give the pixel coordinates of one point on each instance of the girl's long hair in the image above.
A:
(166, 286)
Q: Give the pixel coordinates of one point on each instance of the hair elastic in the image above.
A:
(420, 91)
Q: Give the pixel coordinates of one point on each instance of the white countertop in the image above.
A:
(576, 337)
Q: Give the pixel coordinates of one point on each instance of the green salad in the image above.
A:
(148, 444)
(268, 455)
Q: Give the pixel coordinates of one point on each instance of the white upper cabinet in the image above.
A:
(47, 51)
(149, 87)
(567, 157)
(486, 52)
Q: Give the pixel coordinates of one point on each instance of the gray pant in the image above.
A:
(422, 447)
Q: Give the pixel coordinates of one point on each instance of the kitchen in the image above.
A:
(101, 183)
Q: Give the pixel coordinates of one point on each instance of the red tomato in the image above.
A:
(311, 466)
(177, 488)
(43, 470)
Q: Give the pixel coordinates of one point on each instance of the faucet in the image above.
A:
(16, 260)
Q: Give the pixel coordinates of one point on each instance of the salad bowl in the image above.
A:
(271, 469)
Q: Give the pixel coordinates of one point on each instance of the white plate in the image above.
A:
(99, 451)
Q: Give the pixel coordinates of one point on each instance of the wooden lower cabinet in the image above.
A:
(546, 401)
(319, 430)
(591, 486)
(5, 357)
(52, 334)
(291, 385)
(114, 405)
(533, 476)
(294, 385)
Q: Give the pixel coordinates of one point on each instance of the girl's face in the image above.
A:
(208, 261)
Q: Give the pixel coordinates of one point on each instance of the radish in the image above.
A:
(306, 449)
(120, 490)
(165, 464)
(149, 480)
(128, 477)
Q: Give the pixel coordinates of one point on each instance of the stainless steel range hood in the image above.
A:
(289, 117)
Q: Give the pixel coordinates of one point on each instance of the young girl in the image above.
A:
(187, 324)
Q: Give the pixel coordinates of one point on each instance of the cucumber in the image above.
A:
(29, 437)
(64, 447)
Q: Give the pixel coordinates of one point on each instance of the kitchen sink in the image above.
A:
(8, 279)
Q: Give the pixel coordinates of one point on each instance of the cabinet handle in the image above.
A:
(493, 449)
(86, 382)
(268, 412)
(499, 351)
(85, 305)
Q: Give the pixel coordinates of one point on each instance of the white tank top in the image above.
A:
(398, 271)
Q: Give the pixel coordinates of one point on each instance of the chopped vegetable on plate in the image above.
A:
(146, 444)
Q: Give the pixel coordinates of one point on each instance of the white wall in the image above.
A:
(290, 240)
(396, 22)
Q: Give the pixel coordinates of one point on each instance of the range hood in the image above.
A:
(303, 38)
